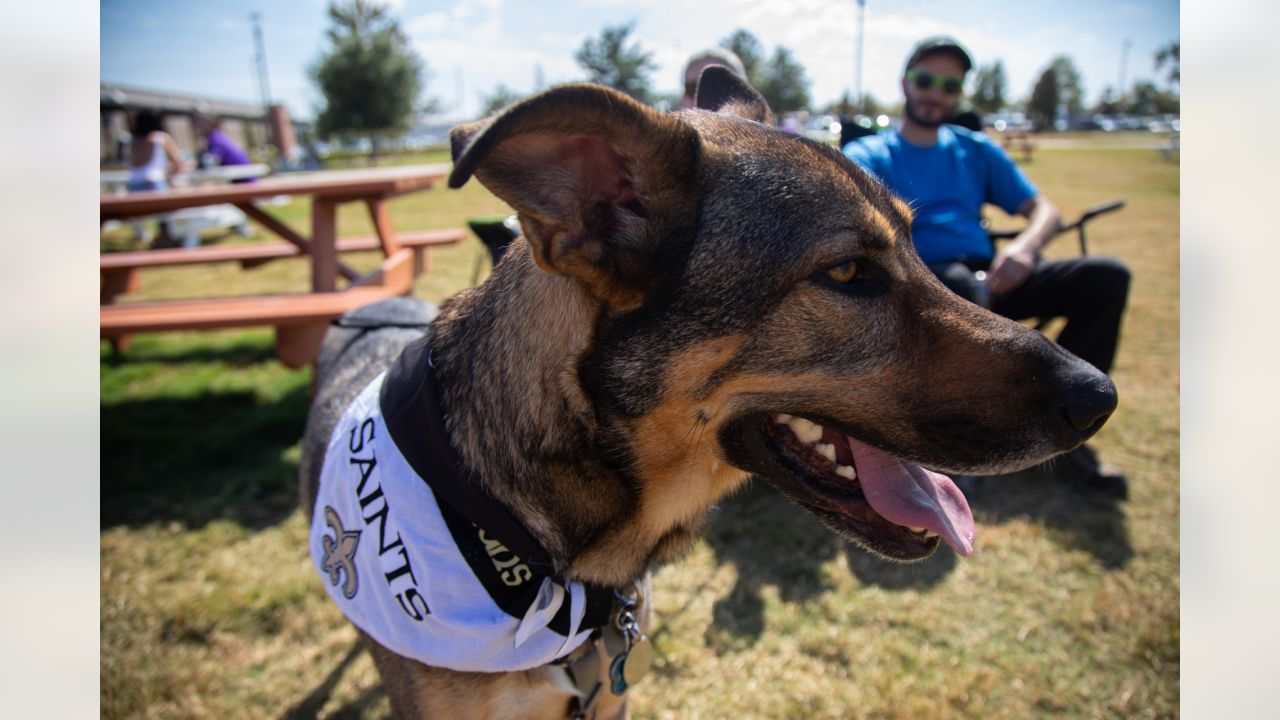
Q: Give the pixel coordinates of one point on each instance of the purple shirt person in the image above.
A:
(225, 149)
(219, 147)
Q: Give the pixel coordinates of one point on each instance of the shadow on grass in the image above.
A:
(241, 351)
(1076, 518)
(874, 570)
(310, 706)
(197, 459)
(772, 541)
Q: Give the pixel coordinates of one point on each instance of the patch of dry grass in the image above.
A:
(1069, 607)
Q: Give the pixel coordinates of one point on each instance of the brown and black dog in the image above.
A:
(699, 297)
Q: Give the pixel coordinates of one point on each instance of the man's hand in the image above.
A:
(1011, 267)
(1015, 261)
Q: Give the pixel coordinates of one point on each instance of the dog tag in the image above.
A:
(628, 668)
(636, 663)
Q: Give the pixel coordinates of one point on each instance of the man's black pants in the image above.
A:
(1090, 292)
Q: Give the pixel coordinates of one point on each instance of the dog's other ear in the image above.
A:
(719, 90)
(601, 183)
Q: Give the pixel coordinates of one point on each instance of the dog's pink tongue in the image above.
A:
(910, 495)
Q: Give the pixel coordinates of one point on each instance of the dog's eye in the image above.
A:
(855, 278)
(844, 273)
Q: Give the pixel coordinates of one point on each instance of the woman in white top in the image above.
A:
(153, 154)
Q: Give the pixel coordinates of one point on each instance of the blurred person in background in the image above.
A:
(153, 158)
(701, 61)
(220, 150)
(153, 154)
(946, 174)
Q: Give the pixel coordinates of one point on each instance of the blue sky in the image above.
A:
(470, 46)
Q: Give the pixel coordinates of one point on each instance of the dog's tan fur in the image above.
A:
(606, 384)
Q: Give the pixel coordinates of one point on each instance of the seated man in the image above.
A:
(946, 173)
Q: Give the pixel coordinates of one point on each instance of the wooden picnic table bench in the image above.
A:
(1021, 140)
(119, 270)
(300, 319)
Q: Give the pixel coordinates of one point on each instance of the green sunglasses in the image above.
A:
(924, 80)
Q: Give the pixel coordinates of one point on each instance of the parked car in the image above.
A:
(823, 129)
(1096, 121)
(1005, 121)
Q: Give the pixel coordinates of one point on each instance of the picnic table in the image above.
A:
(116, 180)
(1018, 139)
(300, 319)
(186, 225)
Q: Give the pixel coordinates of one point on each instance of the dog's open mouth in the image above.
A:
(894, 507)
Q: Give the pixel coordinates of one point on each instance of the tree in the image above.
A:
(869, 105)
(1057, 90)
(609, 61)
(1170, 55)
(783, 84)
(842, 107)
(1111, 102)
(846, 106)
(989, 88)
(501, 97)
(749, 50)
(1148, 99)
(1043, 105)
(779, 78)
(370, 79)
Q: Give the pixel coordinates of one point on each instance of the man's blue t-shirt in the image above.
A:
(946, 185)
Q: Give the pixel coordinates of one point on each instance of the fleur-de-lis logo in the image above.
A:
(340, 553)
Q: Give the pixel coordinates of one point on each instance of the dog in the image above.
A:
(696, 298)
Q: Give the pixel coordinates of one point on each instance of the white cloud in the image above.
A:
(426, 24)
(470, 55)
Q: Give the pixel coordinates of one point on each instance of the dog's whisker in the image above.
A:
(693, 427)
(705, 422)
(694, 436)
(700, 422)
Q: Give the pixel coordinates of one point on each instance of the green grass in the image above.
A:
(1069, 607)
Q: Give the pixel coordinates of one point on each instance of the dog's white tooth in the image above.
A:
(809, 432)
(916, 529)
(827, 451)
(846, 472)
(782, 418)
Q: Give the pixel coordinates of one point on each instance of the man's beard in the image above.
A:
(910, 110)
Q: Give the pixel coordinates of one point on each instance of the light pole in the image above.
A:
(1124, 60)
(857, 88)
(260, 60)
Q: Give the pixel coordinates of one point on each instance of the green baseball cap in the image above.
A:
(940, 44)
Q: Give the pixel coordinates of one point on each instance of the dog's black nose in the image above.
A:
(1088, 398)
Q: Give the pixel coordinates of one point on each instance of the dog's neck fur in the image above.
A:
(513, 346)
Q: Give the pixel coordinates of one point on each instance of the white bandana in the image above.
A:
(404, 568)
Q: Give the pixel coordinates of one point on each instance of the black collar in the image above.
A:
(410, 403)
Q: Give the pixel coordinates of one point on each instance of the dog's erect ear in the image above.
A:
(601, 183)
(719, 90)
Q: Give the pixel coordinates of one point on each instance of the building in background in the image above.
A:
(268, 135)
